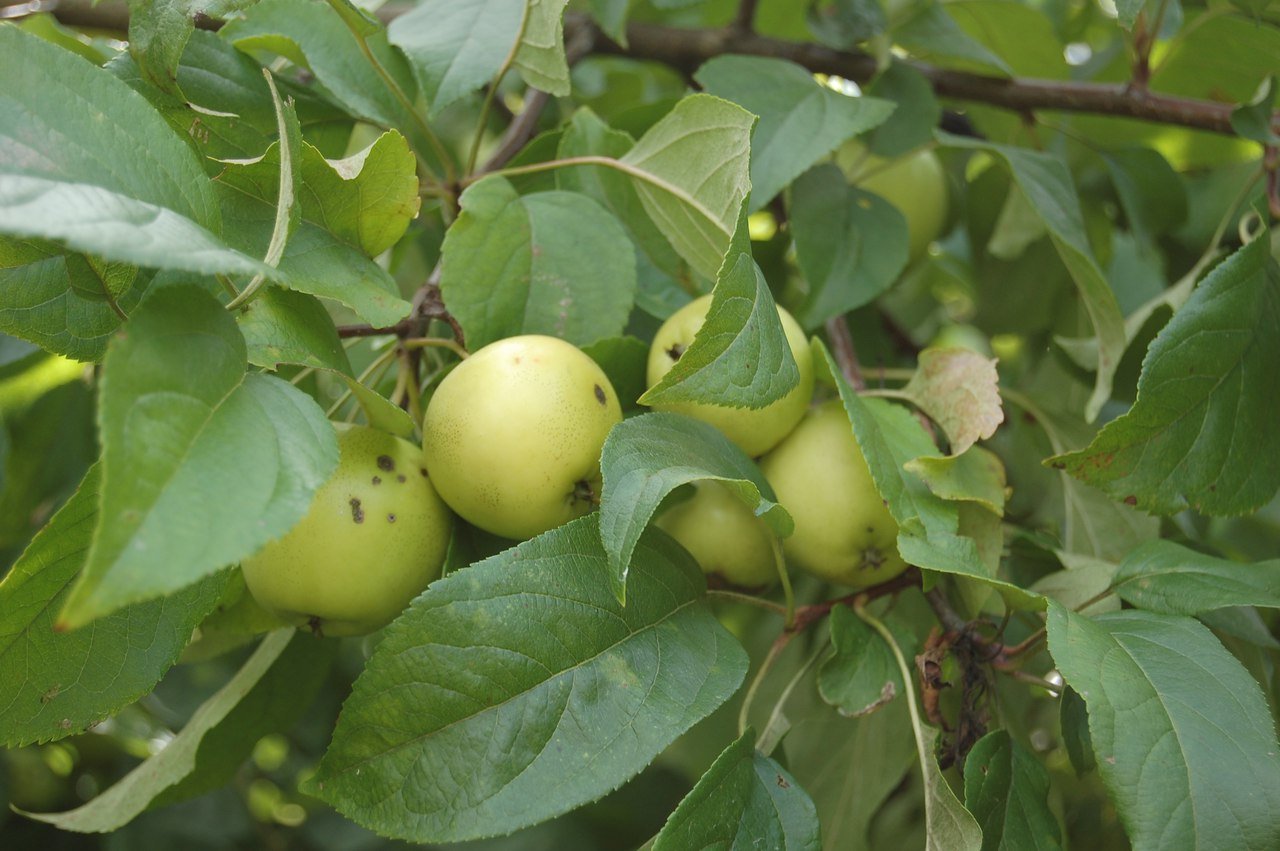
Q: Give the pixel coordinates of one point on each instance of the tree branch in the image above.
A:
(686, 49)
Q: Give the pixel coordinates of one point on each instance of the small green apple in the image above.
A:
(754, 430)
(374, 537)
(914, 183)
(844, 533)
(723, 535)
(512, 436)
(957, 335)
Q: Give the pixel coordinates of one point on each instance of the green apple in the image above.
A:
(723, 535)
(914, 183)
(512, 436)
(843, 530)
(375, 535)
(754, 430)
(956, 335)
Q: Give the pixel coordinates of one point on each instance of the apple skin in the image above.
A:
(374, 537)
(723, 535)
(754, 430)
(844, 533)
(914, 183)
(512, 436)
(961, 336)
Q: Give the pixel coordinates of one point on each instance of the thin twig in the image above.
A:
(845, 353)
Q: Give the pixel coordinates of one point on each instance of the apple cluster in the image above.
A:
(843, 530)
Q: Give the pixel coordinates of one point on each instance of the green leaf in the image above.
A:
(842, 24)
(282, 326)
(611, 15)
(931, 34)
(975, 475)
(929, 536)
(180, 421)
(623, 360)
(691, 172)
(552, 263)
(315, 260)
(862, 675)
(61, 301)
(1048, 187)
(740, 357)
(1162, 576)
(158, 33)
(1085, 580)
(1074, 717)
(482, 704)
(456, 47)
(366, 199)
(1256, 119)
(587, 135)
(916, 115)
(1153, 195)
(1007, 790)
(539, 56)
(647, 457)
(56, 683)
(851, 245)
(1179, 729)
(959, 390)
(1202, 431)
(800, 122)
(132, 795)
(315, 36)
(745, 800)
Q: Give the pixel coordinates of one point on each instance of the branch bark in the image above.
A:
(686, 49)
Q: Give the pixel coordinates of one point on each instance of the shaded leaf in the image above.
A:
(1201, 433)
(862, 675)
(1162, 576)
(1007, 790)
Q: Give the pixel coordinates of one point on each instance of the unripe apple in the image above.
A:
(512, 436)
(754, 430)
(914, 183)
(723, 535)
(955, 335)
(374, 537)
(844, 532)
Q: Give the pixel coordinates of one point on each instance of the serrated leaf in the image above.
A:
(800, 122)
(61, 301)
(132, 795)
(932, 35)
(740, 357)
(158, 33)
(456, 47)
(929, 536)
(975, 475)
(1007, 790)
(282, 326)
(179, 420)
(1084, 580)
(379, 410)
(57, 684)
(862, 675)
(1179, 729)
(843, 24)
(744, 800)
(851, 245)
(1048, 187)
(539, 56)
(913, 120)
(315, 36)
(59, 115)
(1074, 718)
(366, 199)
(1153, 195)
(552, 263)
(1201, 433)
(1165, 577)
(519, 688)
(646, 457)
(960, 391)
(691, 172)
(623, 360)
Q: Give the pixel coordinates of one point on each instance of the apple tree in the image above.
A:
(640, 423)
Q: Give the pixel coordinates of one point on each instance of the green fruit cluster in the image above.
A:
(843, 530)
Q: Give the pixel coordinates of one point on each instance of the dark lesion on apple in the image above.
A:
(584, 492)
(676, 351)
